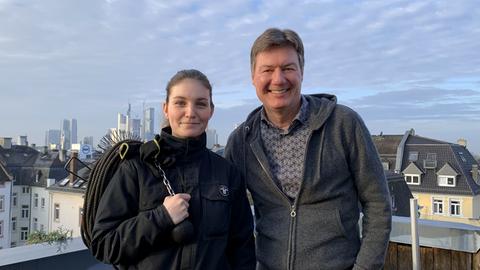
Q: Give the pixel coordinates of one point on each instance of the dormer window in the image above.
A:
(412, 174)
(447, 176)
(412, 179)
(446, 181)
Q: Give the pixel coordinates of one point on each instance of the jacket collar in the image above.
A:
(172, 149)
(321, 107)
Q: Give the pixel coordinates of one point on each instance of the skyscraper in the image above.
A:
(88, 140)
(52, 137)
(135, 126)
(148, 124)
(73, 130)
(121, 122)
(65, 137)
(212, 138)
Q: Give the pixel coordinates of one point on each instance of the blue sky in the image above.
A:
(400, 64)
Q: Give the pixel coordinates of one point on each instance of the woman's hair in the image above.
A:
(275, 38)
(190, 74)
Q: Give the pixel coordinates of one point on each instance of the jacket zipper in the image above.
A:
(293, 207)
(293, 213)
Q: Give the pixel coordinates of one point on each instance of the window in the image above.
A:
(56, 212)
(446, 181)
(2, 203)
(14, 199)
(35, 224)
(437, 206)
(412, 156)
(25, 190)
(1, 228)
(35, 200)
(412, 179)
(432, 156)
(24, 211)
(14, 224)
(43, 202)
(431, 161)
(455, 208)
(24, 234)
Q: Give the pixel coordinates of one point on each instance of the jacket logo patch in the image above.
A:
(223, 190)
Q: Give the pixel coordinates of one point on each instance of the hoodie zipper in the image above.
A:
(293, 213)
(293, 206)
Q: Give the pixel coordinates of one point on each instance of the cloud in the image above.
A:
(97, 56)
(414, 105)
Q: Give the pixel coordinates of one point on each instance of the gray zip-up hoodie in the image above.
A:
(319, 229)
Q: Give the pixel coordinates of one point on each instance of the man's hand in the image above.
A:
(177, 206)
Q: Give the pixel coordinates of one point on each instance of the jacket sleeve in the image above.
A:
(241, 245)
(123, 234)
(234, 150)
(373, 194)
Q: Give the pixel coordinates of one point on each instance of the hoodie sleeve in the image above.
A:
(373, 194)
(123, 234)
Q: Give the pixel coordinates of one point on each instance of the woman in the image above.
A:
(138, 221)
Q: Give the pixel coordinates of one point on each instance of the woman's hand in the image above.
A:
(177, 206)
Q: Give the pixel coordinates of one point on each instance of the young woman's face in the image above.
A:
(188, 108)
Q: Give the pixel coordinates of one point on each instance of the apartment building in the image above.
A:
(443, 176)
(5, 191)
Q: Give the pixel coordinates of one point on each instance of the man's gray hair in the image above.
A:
(274, 38)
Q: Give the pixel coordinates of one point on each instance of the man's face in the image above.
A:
(277, 78)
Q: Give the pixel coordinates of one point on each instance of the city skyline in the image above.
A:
(399, 64)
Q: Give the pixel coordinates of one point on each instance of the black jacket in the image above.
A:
(133, 229)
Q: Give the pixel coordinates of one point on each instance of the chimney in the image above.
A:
(474, 172)
(462, 142)
(50, 181)
(61, 155)
(45, 150)
(73, 167)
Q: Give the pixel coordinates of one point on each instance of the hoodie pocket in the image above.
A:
(216, 210)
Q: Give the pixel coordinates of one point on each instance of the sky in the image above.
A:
(399, 64)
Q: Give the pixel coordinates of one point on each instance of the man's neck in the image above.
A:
(282, 119)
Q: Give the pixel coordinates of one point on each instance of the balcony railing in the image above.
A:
(444, 246)
(71, 254)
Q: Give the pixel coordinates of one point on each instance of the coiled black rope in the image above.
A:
(98, 180)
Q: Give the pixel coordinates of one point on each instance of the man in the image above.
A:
(310, 166)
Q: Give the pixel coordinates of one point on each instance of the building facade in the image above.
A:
(5, 199)
(443, 176)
